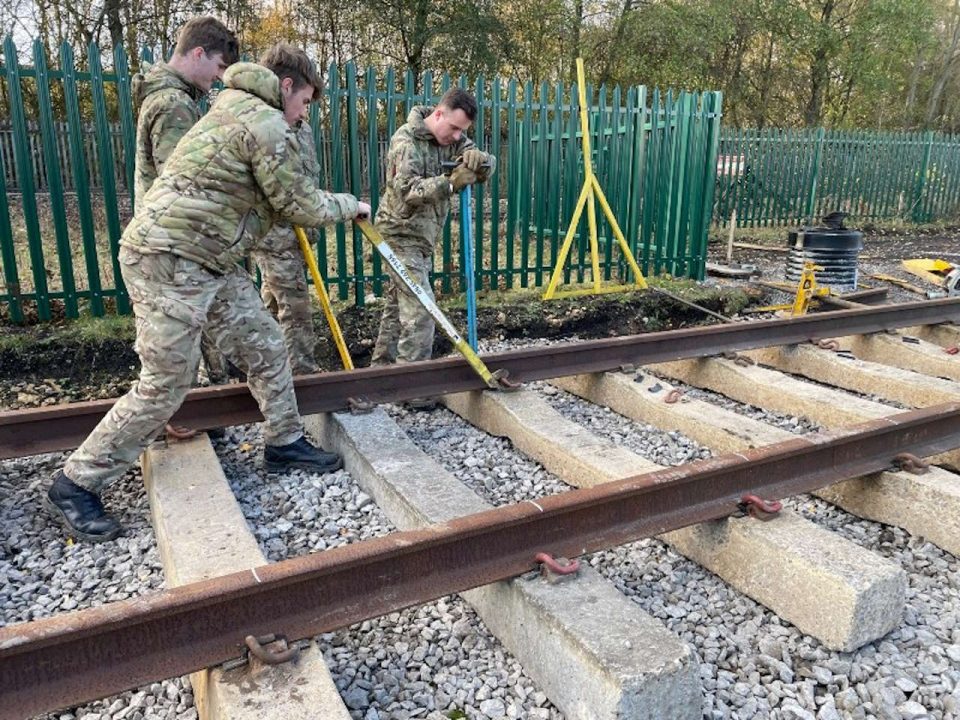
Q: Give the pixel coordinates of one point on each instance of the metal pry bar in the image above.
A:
(494, 380)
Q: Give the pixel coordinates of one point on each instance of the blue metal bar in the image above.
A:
(469, 284)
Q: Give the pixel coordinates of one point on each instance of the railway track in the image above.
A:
(859, 597)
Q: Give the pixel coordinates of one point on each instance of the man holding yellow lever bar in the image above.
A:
(280, 255)
(494, 380)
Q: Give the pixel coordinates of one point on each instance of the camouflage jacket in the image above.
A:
(281, 234)
(166, 105)
(235, 172)
(308, 149)
(416, 198)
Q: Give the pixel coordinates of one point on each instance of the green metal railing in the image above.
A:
(655, 155)
(783, 177)
(648, 158)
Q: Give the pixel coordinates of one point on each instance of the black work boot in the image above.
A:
(422, 403)
(300, 455)
(79, 510)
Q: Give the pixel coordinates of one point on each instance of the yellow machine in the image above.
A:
(807, 291)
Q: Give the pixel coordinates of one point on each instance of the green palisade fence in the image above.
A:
(649, 159)
(778, 177)
(66, 171)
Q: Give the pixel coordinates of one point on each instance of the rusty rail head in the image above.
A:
(77, 657)
(62, 427)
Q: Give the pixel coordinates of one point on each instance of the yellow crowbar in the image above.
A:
(494, 380)
(321, 287)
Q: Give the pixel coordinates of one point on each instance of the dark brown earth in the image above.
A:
(48, 363)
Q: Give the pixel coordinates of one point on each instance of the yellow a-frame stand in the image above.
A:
(591, 187)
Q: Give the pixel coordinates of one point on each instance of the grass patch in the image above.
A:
(98, 330)
(16, 340)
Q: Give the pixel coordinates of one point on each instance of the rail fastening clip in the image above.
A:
(758, 508)
(552, 569)
(911, 463)
(260, 648)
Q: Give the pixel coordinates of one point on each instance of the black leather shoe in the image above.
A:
(300, 455)
(79, 510)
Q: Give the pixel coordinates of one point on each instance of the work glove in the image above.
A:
(473, 159)
(461, 177)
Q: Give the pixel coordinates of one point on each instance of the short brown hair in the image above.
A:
(456, 98)
(210, 34)
(288, 61)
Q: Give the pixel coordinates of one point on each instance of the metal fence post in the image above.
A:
(814, 177)
(714, 113)
(81, 180)
(918, 213)
(11, 278)
(55, 181)
(24, 164)
(107, 173)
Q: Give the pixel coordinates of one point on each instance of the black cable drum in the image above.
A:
(832, 246)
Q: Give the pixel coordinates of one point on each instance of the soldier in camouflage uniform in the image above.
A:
(284, 291)
(236, 170)
(413, 211)
(166, 98)
(278, 255)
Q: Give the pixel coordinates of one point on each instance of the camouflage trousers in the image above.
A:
(215, 365)
(406, 328)
(174, 301)
(286, 294)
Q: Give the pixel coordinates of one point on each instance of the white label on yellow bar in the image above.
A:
(400, 269)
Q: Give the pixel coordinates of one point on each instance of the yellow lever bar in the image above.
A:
(496, 380)
(321, 287)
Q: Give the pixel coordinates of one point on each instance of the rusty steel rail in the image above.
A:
(62, 427)
(73, 658)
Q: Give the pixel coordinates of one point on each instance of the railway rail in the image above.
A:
(50, 663)
(48, 429)
(74, 657)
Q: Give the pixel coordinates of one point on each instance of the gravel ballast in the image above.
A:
(424, 662)
(753, 665)
(43, 573)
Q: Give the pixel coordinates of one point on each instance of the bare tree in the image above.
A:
(948, 66)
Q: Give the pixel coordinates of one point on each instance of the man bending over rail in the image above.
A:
(230, 176)
(166, 97)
